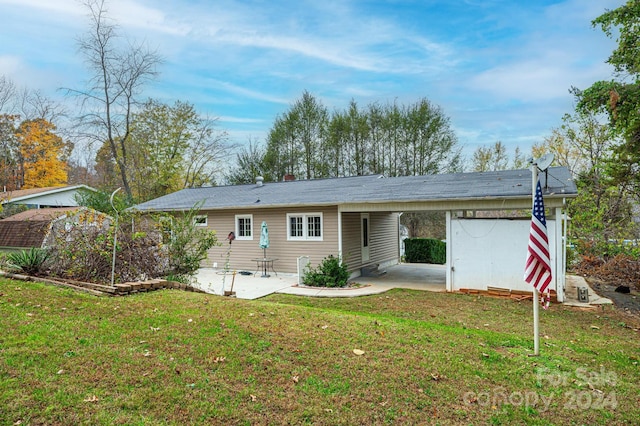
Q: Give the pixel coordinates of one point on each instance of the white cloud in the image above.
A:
(229, 119)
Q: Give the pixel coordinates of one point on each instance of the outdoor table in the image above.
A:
(264, 264)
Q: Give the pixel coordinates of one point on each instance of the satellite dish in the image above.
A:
(545, 161)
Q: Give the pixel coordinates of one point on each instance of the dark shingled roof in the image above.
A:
(30, 227)
(367, 189)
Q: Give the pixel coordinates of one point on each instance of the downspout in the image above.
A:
(399, 238)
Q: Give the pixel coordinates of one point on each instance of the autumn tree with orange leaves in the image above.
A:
(34, 155)
(43, 154)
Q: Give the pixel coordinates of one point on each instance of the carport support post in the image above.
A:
(536, 294)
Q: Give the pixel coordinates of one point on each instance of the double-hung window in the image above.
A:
(304, 226)
(244, 227)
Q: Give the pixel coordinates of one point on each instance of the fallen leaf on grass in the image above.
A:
(154, 328)
(92, 398)
(436, 377)
(595, 327)
(358, 352)
(324, 327)
(219, 359)
(328, 410)
(295, 379)
(60, 372)
(253, 398)
(485, 355)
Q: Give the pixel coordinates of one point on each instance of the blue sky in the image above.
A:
(500, 69)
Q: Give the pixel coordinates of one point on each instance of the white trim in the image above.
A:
(561, 248)
(365, 237)
(305, 227)
(340, 233)
(239, 236)
(51, 191)
(449, 249)
(197, 220)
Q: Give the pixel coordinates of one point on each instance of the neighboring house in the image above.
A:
(59, 196)
(358, 218)
(37, 227)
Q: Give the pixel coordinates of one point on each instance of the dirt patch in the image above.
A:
(628, 302)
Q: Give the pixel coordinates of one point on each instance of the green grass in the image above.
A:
(172, 357)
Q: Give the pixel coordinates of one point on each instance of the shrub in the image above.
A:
(82, 249)
(187, 244)
(331, 272)
(425, 250)
(30, 262)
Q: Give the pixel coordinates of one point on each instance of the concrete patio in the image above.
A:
(413, 276)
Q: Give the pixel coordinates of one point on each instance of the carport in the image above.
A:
(487, 222)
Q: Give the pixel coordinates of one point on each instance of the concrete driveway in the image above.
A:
(413, 276)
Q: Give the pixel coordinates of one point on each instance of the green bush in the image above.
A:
(30, 262)
(331, 272)
(425, 250)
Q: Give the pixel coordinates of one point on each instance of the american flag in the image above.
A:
(537, 271)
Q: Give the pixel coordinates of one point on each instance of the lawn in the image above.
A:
(172, 357)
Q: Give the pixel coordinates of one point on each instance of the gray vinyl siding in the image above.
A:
(383, 244)
(287, 252)
(383, 239)
(351, 244)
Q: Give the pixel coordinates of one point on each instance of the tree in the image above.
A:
(102, 201)
(295, 142)
(620, 99)
(249, 165)
(9, 153)
(43, 155)
(495, 157)
(117, 76)
(603, 209)
(171, 147)
(8, 93)
(390, 140)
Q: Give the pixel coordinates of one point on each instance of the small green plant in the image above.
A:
(331, 272)
(30, 262)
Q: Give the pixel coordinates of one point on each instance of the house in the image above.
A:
(37, 227)
(59, 196)
(358, 218)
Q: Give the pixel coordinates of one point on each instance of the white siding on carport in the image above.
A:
(492, 253)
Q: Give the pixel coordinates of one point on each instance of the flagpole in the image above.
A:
(536, 294)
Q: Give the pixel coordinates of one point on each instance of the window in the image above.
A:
(200, 220)
(295, 227)
(244, 227)
(304, 226)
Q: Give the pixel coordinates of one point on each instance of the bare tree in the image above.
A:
(7, 95)
(117, 77)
